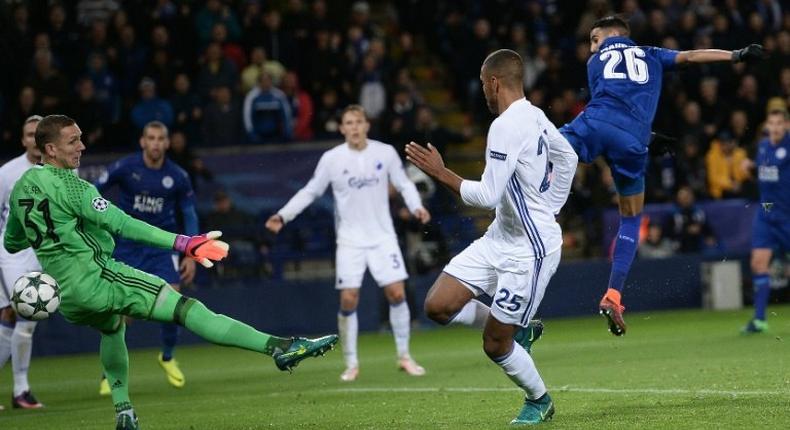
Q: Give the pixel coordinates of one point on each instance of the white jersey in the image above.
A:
(10, 172)
(360, 185)
(528, 175)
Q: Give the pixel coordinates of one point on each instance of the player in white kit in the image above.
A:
(360, 171)
(16, 334)
(528, 174)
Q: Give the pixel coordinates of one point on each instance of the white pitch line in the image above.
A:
(660, 391)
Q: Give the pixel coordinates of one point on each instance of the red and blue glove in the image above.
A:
(204, 248)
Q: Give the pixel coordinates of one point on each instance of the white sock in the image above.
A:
(520, 368)
(400, 320)
(5, 344)
(348, 327)
(21, 348)
(472, 314)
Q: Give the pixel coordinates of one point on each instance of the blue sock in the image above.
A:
(624, 250)
(762, 291)
(169, 333)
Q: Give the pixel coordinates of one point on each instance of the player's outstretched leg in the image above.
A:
(222, 330)
(115, 361)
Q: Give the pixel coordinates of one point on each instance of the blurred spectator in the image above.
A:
(90, 11)
(655, 244)
(713, 110)
(132, 60)
(399, 118)
(326, 122)
(725, 167)
(267, 113)
(26, 105)
(372, 94)
(151, 107)
(258, 63)
(324, 66)
(88, 114)
(105, 86)
(688, 224)
(234, 223)
(64, 39)
(182, 155)
(187, 108)
(216, 71)
(278, 43)
(222, 120)
(741, 132)
(301, 106)
(230, 50)
(690, 167)
(216, 11)
(427, 129)
(162, 71)
(47, 81)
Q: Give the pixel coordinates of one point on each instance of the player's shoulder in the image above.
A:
(14, 165)
(382, 147)
(127, 161)
(176, 170)
(519, 118)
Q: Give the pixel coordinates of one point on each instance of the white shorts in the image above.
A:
(385, 262)
(516, 286)
(11, 270)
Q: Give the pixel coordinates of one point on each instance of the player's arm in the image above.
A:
(186, 201)
(110, 177)
(406, 188)
(14, 239)
(314, 189)
(699, 56)
(564, 161)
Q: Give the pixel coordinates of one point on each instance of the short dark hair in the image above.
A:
(612, 21)
(48, 130)
(156, 124)
(507, 66)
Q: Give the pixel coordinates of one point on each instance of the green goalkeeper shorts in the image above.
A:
(92, 295)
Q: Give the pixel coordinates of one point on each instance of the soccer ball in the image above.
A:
(36, 296)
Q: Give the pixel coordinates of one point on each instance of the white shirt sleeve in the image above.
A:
(402, 183)
(502, 152)
(313, 190)
(564, 161)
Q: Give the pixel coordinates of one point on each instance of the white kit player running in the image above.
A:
(359, 172)
(528, 174)
(16, 334)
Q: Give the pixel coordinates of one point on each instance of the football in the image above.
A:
(36, 296)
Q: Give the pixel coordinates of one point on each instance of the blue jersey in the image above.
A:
(625, 84)
(152, 195)
(773, 175)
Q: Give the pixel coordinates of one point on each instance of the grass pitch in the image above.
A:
(678, 370)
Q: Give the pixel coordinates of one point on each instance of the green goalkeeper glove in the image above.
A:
(203, 248)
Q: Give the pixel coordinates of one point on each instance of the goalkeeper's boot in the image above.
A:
(126, 420)
(408, 365)
(755, 326)
(526, 336)
(174, 375)
(26, 400)
(104, 387)
(302, 348)
(612, 310)
(535, 411)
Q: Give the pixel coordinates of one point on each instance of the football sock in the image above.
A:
(6, 331)
(115, 360)
(169, 334)
(762, 291)
(348, 328)
(472, 314)
(400, 318)
(624, 250)
(21, 348)
(520, 368)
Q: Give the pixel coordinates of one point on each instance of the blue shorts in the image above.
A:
(625, 153)
(771, 230)
(160, 262)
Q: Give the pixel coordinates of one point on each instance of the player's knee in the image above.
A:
(496, 347)
(7, 316)
(437, 311)
(25, 328)
(349, 300)
(396, 297)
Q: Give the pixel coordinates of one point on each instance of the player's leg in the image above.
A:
(7, 322)
(521, 287)
(350, 268)
(115, 363)
(761, 282)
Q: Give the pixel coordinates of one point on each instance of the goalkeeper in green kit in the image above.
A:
(70, 227)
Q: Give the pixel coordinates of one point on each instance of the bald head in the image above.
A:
(506, 66)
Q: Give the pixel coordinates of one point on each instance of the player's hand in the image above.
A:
(186, 270)
(750, 53)
(423, 215)
(275, 223)
(204, 248)
(426, 158)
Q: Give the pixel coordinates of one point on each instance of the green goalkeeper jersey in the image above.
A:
(70, 225)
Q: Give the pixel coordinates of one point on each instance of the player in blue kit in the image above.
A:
(152, 189)
(771, 227)
(625, 85)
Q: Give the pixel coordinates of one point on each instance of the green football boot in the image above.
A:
(526, 336)
(755, 326)
(302, 348)
(127, 421)
(535, 411)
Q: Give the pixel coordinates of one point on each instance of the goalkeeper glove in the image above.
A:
(204, 248)
(749, 53)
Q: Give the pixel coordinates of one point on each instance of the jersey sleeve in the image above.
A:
(86, 202)
(313, 190)
(502, 153)
(563, 160)
(665, 56)
(14, 239)
(402, 183)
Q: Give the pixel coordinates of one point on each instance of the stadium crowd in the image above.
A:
(238, 72)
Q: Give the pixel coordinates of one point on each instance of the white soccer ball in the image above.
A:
(36, 295)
